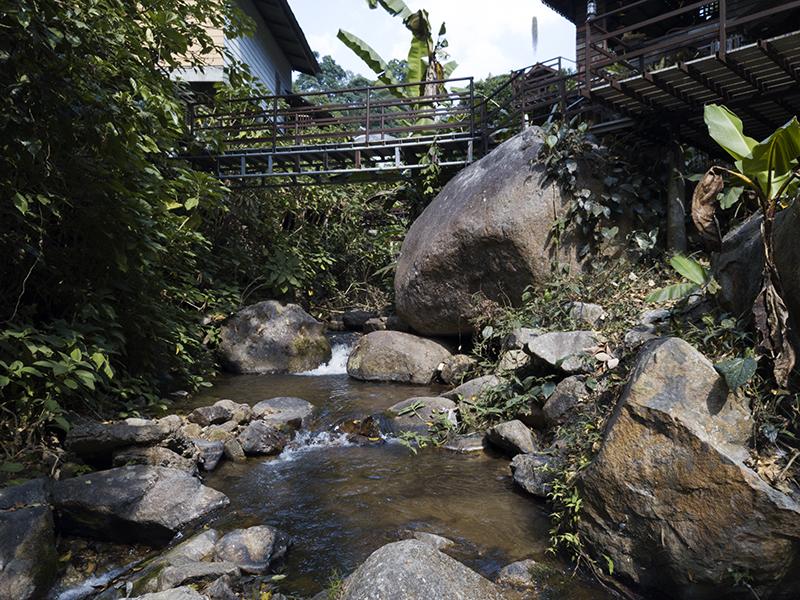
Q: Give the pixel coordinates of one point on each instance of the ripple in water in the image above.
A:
(337, 365)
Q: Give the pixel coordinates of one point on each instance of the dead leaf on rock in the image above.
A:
(704, 207)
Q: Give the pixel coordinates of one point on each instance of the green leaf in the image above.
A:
(677, 291)
(731, 197)
(727, 130)
(11, 467)
(371, 58)
(737, 371)
(690, 269)
(393, 7)
(21, 203)
(773, 160)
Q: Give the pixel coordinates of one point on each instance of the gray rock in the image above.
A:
(270, 337)
(354, 320)
(512, 437)
(92, 440)
(565, 351)
(425, 410)
(639, 336)
(518, 574)
(197, 548)
(375, 324)
(413, 570)
(588, 314)
(396, 356)
(489, 231)
(457, 368)
(209, 415)
(563, 401)
(513, 360)
(655, 317)
(241, 413)
(437, 541)
(136, 503)
(519, 338)
(472, 442)
(181, 593)
(395, 323)
(233, 451)
(253, 549)
(210, 453)
(28, 558)
(671, 476)
(738, 266)
(284, 412)
(221, 590)
(534, 472)
(155, 456)
(191, 573)
(260, 439)
(469, 391)
(220, 433)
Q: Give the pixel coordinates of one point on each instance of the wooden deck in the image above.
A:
(381, 132)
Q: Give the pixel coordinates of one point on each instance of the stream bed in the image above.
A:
(340, 502)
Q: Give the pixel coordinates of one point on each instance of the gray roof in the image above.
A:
(286, 30)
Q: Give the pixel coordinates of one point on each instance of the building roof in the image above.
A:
(286, 30)
(566, 8)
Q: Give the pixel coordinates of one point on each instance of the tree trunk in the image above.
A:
(676, 201)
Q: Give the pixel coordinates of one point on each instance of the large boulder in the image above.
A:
(489, 233)
(414, 570)
(134, 504)
(471, 390)
(512, 437)
(396, 356)
(28, 559)
(270, 337)
(564, 351)
(261, 439)
(669, 497)
(254, 549)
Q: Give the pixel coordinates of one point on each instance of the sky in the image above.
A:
(485, 37)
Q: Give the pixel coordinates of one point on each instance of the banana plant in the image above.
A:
(771, 169)
(426, 56)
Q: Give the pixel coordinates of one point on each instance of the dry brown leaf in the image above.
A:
(704, 207)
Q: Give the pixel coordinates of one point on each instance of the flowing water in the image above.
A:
(340, 502)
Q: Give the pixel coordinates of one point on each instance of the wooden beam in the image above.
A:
(671, 90)
(637, 96)
(717, 89)
(779, 59)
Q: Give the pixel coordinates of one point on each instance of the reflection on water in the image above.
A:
(341, 502)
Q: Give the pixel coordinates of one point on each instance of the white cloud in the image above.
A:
(484, 37)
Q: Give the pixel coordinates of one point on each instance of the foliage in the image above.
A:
(572, 158)
(106, 268)
(699, 281)
(771, 169)
(425, 55)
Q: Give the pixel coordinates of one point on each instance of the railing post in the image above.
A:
(587, 59)
(723, 28)
(471, 108)
(484, 128)
(366, 137)
(274, 123)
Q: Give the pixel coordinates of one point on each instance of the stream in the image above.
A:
(340, 502)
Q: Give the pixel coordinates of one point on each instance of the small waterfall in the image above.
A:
(341, 348)
(312, 440)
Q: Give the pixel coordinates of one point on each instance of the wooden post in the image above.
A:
(676, 200)
(723, 28)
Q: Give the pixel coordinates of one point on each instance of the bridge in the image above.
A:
(697, 55)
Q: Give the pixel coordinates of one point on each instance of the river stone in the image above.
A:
(518, 574)
(469, 391)
(253, 549)
(437, 541)
(233, 450)
(191, 573)
(513, 360)
(241, 413)
(261, 439)
(270, 337)
(210, 453)
(221, 433)
(512, 437)
(565, 351)
(155, 456)
(181, 593)
(587, 314)
(355, 319)
(414, 570)
(563, 401)
(488, 233)
(375, 324)
(209, 415)
(519, 338)
(396, 356)
(429, 409)
(92, 440)
(284, 412)
(221, 590)
(669, 498)
(471, 442)
(28, 558)
(534, 472)
(456, 368)
(638, 336)
(134, 504)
